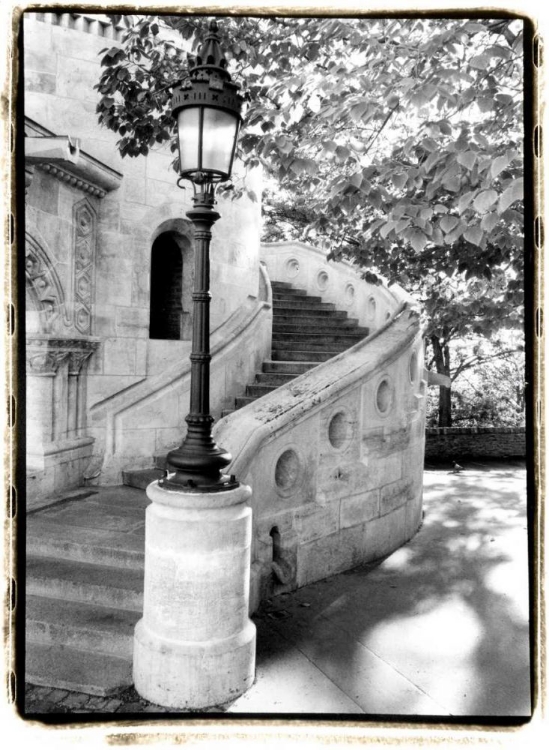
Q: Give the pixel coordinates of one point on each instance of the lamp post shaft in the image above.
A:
(199, 462)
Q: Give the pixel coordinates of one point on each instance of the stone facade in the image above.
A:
(92, 219)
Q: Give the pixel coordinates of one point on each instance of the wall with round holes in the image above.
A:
(339, 469)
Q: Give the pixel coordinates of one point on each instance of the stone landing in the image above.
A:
(84, 582)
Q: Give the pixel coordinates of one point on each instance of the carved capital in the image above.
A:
(45, 355)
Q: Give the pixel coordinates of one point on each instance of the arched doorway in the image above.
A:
(170, 301)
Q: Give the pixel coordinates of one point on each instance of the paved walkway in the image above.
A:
(439, 628)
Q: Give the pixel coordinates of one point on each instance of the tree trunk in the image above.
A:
(442, 362)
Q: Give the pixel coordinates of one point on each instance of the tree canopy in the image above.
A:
(396, 142)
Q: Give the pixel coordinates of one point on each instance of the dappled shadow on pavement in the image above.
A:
(440, 627)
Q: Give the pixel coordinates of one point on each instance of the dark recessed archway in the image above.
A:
(170, 288)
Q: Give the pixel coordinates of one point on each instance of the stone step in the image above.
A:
(105, 585)
(274, 378)
(296, 298)
(80, 625)
(322, 346)
(321, 327)
(343, 337)
(286, 355)
(295, 294)
(259, 390)
(69, 668)
(141, 478)
(243, 401)
(280, 310)
(54, 539)
(314, 320)
(285, 286)
(296, 303)
(296, 368)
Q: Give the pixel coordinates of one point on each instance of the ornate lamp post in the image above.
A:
(195, 644)
(208, 108)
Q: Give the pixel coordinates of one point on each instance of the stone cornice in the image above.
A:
(86, 173)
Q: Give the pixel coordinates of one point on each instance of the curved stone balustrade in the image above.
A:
(335, 458)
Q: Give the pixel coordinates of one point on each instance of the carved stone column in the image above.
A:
(56, 407)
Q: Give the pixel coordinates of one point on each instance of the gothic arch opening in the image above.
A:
(171, 287)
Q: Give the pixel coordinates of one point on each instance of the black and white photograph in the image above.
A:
(277, 367)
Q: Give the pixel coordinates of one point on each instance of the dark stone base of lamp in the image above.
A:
(199, 468)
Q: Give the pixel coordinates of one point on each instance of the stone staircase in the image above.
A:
(306, 332)
(84, 590)
(85, 553)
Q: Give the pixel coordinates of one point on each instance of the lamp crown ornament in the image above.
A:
(210, 54)
(207, 105)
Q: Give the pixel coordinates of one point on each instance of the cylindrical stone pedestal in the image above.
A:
(195, 645)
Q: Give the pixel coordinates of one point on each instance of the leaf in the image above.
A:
(504, 99)
(358, 110)
(356, 179)
(448, 223)
(499, 164)
(473, 234)
(429, 144)
(329, 146)
(467, 159)
(452, 185)
(464, 200)
(304, 166)
(445, 127)
(401, 225)
(438, 237)
(418, 240)
(384, 231)
(431, 160)
(485, 200)
(485, 103)
(399, 180)
(498, 51)
(474, 27)
(489, 221)
(342, 153)
(515, 192)
(480, 62)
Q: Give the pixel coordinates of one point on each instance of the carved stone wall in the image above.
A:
(44, 286)
(84, 223)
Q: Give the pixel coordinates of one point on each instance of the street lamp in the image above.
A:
(207, 106)
(194, 647)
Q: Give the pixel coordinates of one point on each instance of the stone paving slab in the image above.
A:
(438, 628)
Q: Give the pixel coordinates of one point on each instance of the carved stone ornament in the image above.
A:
(84, 222)
(44, 282)
(45, 355)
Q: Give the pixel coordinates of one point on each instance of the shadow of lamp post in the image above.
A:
(194, 647)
